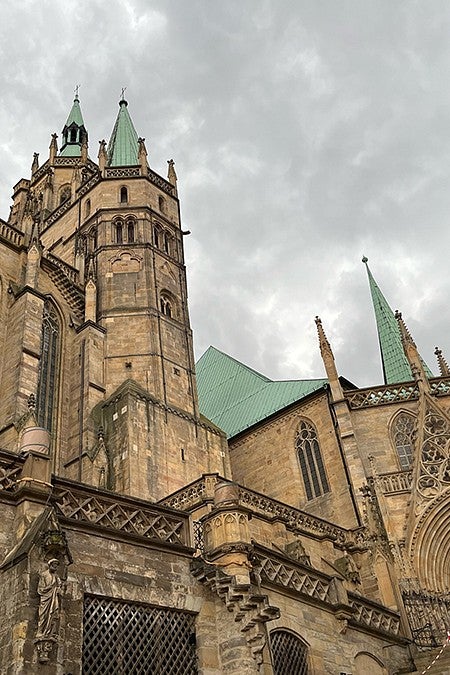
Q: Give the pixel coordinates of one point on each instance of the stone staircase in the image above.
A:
(424, 659)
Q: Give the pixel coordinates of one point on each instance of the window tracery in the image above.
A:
(64, 194)
(48, 367)
(167, 305)
(403, 429)
(311, 462)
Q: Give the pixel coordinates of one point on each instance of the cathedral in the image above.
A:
(161, 517)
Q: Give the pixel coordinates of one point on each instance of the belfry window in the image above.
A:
(119, 231)
(157, 236)
(48, 367)
(123, 195)
(311, 462)
(166, 306)
(403, 437)
(130, 231)
(73, 135)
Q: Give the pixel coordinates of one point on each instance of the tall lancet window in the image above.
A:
(311, 462)
(403, 428)
(48, 369)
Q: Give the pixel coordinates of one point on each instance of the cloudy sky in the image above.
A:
(306, 133)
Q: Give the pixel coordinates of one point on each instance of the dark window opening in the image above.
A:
(123, 195)
(46, 396)
(130, 231)
(73, 135)
(119, 233)
(311, 462)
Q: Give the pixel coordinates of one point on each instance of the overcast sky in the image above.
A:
(306, 133)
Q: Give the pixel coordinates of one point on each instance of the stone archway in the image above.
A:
(366, 663)
(430, 545)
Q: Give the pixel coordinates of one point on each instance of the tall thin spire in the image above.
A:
(396, 367)
(74, 132)
(123, 147)
(328, 361)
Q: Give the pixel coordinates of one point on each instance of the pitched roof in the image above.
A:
(75, 119)
(123, 144)
(396, 367)
(234, 397)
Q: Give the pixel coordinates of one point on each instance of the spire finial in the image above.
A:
(365, 259)
(122, 96)
(77, 89)
(442, 363)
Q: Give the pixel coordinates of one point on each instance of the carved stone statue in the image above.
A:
(49, 591)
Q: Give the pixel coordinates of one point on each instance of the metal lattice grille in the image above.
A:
(289, 654)
(124, 638)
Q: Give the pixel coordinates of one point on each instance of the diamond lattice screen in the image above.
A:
(289, 654)
(125, 638)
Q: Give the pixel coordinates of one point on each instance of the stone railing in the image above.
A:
(202, 491)
(11, 234)
(277, 571)
(122, 171)
(440, 386)
(394, 393)
(373, 616)
(399, 481)
(85, 187)
(363, 398)
(162, 183)
(126, 515)
(71, 272)
(58, 212)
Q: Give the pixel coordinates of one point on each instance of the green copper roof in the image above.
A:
(396, 367)
(234, 397)
(75, 116)
(74, 131)
(123, 144)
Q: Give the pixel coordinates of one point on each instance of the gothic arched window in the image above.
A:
(48, 368)
(130, 230)
(311, 462)
(64, 194)
(157, 235)
(166, 305)
(289, 653)
(123, 195)
(402, 431)
(118, 227)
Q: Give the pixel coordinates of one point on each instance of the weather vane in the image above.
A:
(77, 89)
(122, 98)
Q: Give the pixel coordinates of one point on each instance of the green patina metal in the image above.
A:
(395, 365)
(73, 132)
(235, 397)
(123, 145)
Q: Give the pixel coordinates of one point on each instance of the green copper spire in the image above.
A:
(74, 131)
(396, 367)
(123, 144)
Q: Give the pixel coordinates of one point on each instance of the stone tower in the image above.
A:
(100, 300)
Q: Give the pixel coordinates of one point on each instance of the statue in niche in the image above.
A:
(49, 591)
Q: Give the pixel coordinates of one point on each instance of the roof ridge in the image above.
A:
(239, 363)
